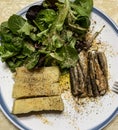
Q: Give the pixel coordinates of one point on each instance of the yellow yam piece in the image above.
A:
(53, 103)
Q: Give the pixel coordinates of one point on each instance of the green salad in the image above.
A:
(52, 33)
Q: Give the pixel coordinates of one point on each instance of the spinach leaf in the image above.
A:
(7, 55)
(78, 18)
(66, 56)
(45, 18)
(83, 21)
(15, 45)
(32, 60)
(5, 33)
(21, 27)
(15, 23)
(63, 12)
(26, 29)
(85, 5)
(4, 28)
(28, 49)
(14, 64)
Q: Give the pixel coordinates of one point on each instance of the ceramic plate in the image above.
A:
(92, 113)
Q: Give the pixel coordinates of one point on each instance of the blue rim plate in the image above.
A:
(101, 19)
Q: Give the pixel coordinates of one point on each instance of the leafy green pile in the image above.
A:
(49, 39)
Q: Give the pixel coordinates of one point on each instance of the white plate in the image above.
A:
(93, 114)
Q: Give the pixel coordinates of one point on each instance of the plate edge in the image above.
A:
(100, 126)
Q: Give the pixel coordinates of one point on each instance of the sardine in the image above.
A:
(74, 82)
(77, 81)
(100, 77)
(81, 80)
(89, 87)
(83, 61)
(91, 59)
(103, 63)
(89, 76)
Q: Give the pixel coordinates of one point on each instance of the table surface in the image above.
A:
(9, 7)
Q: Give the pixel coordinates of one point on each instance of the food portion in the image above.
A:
(53, 103)
(39, 82)
(90, 76)
(37, 90)
(48, 36)
(51, 41)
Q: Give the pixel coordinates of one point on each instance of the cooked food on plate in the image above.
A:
(90, 79)
(40, 82)
(51, 42)
(53, 103)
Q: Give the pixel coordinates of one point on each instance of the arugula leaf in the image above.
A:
(67, 55)
(1, 50)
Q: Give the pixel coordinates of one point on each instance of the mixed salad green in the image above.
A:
(49, 36)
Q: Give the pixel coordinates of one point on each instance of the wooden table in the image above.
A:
(9, 7)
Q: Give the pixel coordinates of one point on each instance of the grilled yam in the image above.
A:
(53, 103)
(40, 82)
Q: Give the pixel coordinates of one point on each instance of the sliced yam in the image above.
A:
(50, 74)
(53, 103)
(22, 90)
(40, 82)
